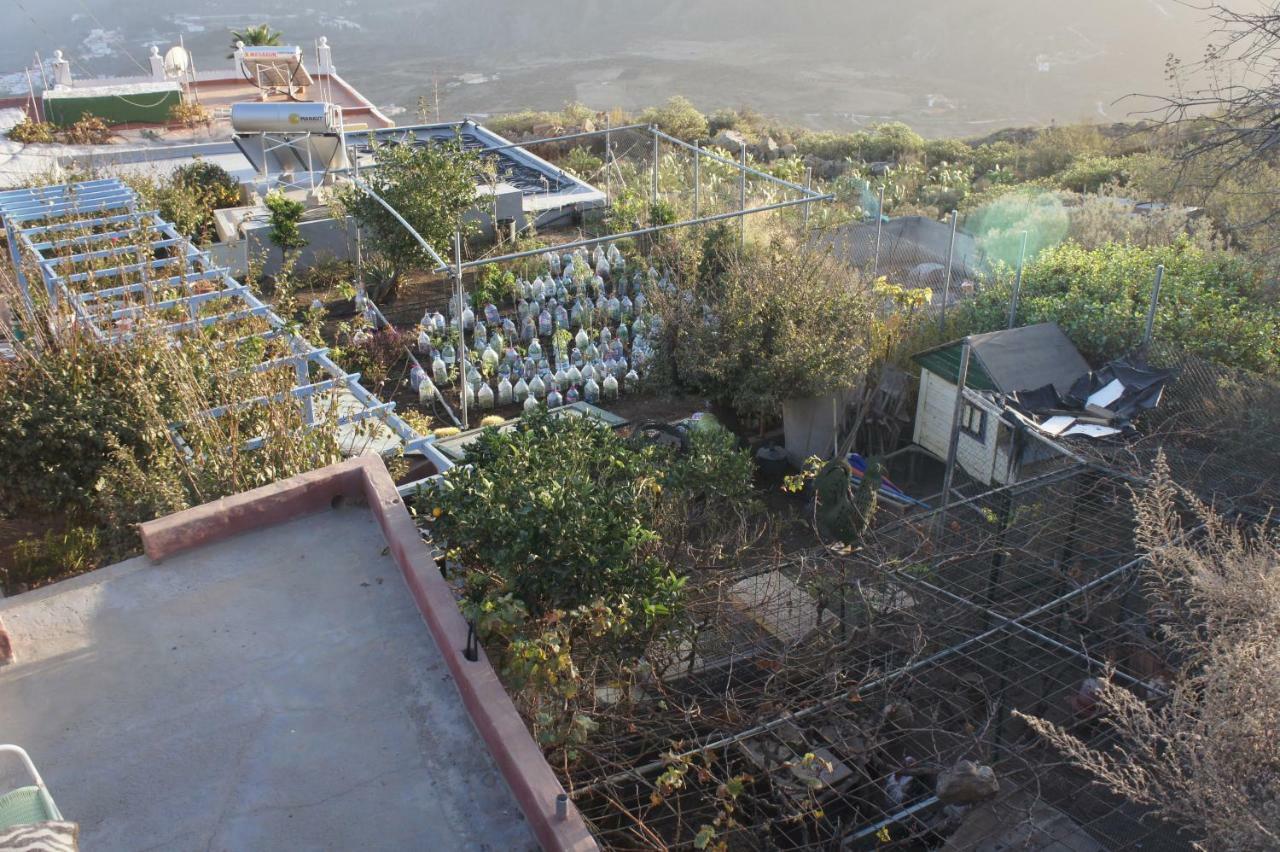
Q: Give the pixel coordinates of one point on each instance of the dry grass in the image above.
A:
(1208, 758)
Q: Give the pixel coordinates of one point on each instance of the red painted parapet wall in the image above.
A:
(365, 479)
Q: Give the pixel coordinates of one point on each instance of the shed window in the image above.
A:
(973, 422)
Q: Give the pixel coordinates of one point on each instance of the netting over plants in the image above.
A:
(822, 698)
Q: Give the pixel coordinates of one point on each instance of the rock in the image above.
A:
(967, 783)
(730, 140)
(767, 150)
(788, 150)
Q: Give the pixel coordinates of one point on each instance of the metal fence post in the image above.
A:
(1017, 282)
(302, 374)
(462, 331)
(1151, 311)
(954, 444)
(697, 178)
(608, 158)
(875, 269)
(808, 187)
(656, 154)
(946, 286)
(742, 196)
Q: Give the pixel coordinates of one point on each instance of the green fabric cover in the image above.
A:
(24, 805)
(150, 108)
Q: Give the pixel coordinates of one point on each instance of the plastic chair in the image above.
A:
(27, 804)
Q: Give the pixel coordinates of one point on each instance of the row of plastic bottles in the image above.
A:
(480, 392)
(603, 260)
(594, 365)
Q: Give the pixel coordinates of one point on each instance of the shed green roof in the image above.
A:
(1014, 359)
(945, 362)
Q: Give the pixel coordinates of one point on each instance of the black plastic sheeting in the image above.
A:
(1142, 386)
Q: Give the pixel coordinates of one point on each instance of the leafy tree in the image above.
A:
(259, 35)
(556, 513)
(786, 322)
(892, 140)
(952, 152)
(286, 213)
(430, 185)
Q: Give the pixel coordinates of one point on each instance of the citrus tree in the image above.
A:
(430, 185)
(573, 547)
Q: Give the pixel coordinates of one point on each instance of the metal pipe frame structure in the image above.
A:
(456, 268)
(807, 195)
(1017, 625)
(43, 224)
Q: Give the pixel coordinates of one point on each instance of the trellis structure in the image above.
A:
(115, 265)
(883, 667)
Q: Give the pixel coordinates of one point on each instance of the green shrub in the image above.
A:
(188, 197)
(1091, 172)
(893, 141)
(1054, 149)
(583, 163)
(89, 428)
(1212, 303)
(678, 118)
(950, 152)
(61, 417)
(39, 561)
(285, 214)
(663, 212)
(493, 284)
(833, 146)
(555, 535)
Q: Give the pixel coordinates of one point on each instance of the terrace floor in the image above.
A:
(274, 690)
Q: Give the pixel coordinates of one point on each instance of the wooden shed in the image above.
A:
(1016, 359)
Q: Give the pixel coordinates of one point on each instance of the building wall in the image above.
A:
(935, 410)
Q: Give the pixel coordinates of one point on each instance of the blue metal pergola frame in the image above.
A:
(102, 220)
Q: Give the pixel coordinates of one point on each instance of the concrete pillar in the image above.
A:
(157, 64)
(61, 70)
(324, 57)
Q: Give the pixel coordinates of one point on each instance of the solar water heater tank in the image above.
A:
(284, 117)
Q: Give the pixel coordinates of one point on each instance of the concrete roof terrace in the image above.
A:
(271, 683)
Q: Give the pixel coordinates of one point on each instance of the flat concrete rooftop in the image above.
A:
(277, 689)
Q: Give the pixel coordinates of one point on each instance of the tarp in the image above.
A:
(137, 103)
(1099, 404)
(887, 488)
